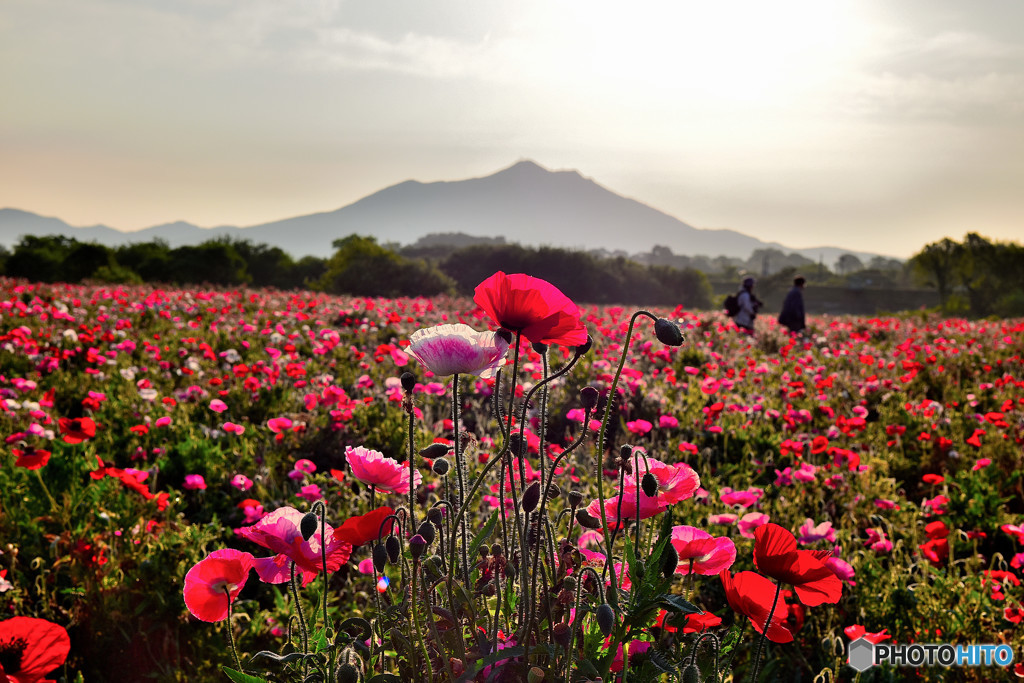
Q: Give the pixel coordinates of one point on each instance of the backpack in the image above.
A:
(732, 305)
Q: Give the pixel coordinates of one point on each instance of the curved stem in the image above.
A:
(231, 633)
(764, 632)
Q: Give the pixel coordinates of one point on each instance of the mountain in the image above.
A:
(524, 203)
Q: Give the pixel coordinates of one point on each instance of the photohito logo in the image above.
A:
(863, 654)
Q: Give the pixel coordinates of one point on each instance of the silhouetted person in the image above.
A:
(792, 313)
(749, 306)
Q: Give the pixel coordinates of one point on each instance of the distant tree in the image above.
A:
(40, 258)
(83, 259)
(151, 260)
(362, 267)
(214, 261)
(935, 266)
(267, 266)
(848, 263)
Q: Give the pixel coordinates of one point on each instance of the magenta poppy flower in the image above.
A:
(700, 552)
(458, 349)
(31, 648)
(533, 306)
(218, 406)
(279, 532)
(233, 428)
(675, 482)
(650, 506)
(810, 532)
(214, 582)
(241, 482)
(751, 521)
(743, 499)
(639, 427)
(194, 482)
(385, 474)
(279, 424)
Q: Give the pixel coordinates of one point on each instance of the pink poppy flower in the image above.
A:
(241, 482)
(726, 519)
(743, 499)
(310, 492)
(701, 552)
(218, 406)
(981, 463)
(458, 349)
(535, 307)
(809, 532)
(639, 427)
(806, 473)
(279, 424)
(750, 522)
(279, 532)
(842, 569)
(667, 422)
(675, 482)
(164, 421)
(649, 507)
(194, 482)
(31, 649)
(373, 469)
(233, 428)
(212, 583)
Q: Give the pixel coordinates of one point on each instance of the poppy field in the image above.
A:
(256, 485)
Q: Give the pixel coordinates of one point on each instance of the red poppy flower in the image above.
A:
(752, 595)
(857, 631)
(30, 458)
(78, 429)
(535, 307)
(819, 444)
(776, 555)
(363, 529)
(214, 582)
(30, 648)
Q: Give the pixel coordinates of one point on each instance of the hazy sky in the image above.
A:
(876, 125)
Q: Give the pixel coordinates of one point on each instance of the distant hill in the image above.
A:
(525, 204)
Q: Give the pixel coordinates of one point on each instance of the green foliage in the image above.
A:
(362, 267)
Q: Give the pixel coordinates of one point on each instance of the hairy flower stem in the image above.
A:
(604, 428)
(416, 620)
(231, 634)
(323, 554)
(764, 633)
(302, 617)
(412, 463)
(460, 471)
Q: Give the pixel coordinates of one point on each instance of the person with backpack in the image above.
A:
(792, 313)
(746, 306)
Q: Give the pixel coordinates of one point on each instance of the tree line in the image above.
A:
(976, 277)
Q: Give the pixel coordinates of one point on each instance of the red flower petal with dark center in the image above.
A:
(77, 430)
(30, 648)
(211, 581)
(535, 307)
(31, 458)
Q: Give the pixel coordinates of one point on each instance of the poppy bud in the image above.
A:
(484, 551)
(426, 530)
(587, 520)
(504, 334)
(531, 496)
(669, 561)
(394, 548)
(435, 516)
(417, 544)
(691, 674)
(589, 396)
(435, 450)
(516, 445)
(380, 557)
(583, 348)
(611, 595)
(639, 569)
(441, 467)
(308, 525)
(561, 634)
(625, 451)
(347, 673)
(496, 550)
(553, 490)
(569, 583)
(535, 675)
(605, 618)
(668, 332)
(540, 348)
(408, 381)
(649, 484)
(575, 498)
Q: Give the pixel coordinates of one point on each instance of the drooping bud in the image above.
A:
(394, 548)
(517, 446)
(408, 381)
(435, 450)
(484, 551)
(639, 568)
(669, 561)
(308, 525)
(649, 484)
(441, 467)
(426, 530)
(605, 618)
(691, 674)
(540, 348)
(668, 332)
(575, 498)
(380, 557)
(435, 516)
(531, 496)
(417, 544)
(589, 396)
(587, 520)
(496, 550)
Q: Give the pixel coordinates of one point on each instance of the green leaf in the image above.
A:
(239, 677)
(482, 535)
(674, 603)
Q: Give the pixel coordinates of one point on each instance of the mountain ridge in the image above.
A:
(525, 203)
